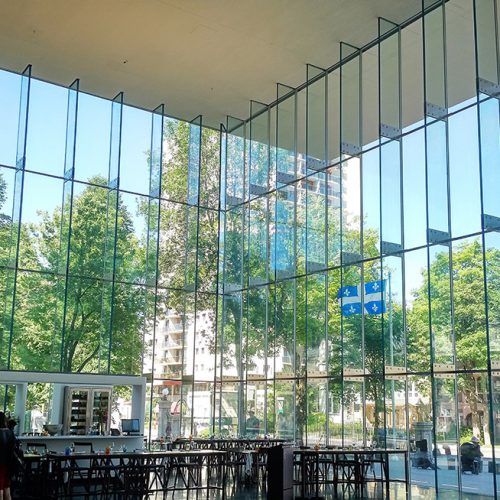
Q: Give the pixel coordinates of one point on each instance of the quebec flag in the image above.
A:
(350, 298)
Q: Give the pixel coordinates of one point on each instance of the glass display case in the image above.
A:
(87, 410)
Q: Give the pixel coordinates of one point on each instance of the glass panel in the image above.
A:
(35, 343)
(136, 146)
(460, 54)
(334, 182)
(492, 254)
(490, 149)
(414, 190)
(434, 58)
(371, 201)
(235, 162)
(175, 168)
(390, 195)
(441, 307)
(316, 325)
(369, 98)
(258, 172)
(285, 136)
(333, 117)
(437, 180)
(412, 76)
(350, 99)
(464, 173)
(317, 405)
(421, 425)
(316, 197)
(41, 216)
(129, 315)
(389, 64)
(351, 210)
(417, 311)
(210, 168)
(486, 40)
(93, 139)
(353, 411)
(446, 431)
(257, 244)
(316, 118)
(301, 131)
(46, 138)
(10, 84)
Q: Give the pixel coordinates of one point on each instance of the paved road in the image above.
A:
(481, 484)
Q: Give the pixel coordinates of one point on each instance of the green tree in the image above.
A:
(45, 339)
(469, 326)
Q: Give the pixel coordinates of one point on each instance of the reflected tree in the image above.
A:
(43, 340)
(469, 319)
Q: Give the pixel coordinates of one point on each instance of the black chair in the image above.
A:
(349, 471)
(80, 471)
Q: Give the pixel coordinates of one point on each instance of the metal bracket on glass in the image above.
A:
(312, 266)
(387, 247)
(233, 200)
(435, 236)
(284, 273)
(315, 164)
(488, 88)
(491, 222)
(189, 287)
(350, 149)
(20, 163)
(390, 132)
(354, 374)
(350, 258)
(257, 190)
(232, 287)
(256, 280)
(443, 367)
(394, 372)
(495, 364)
(155, 193)
(444, 370)
(113, 184)
(284, 177)
(69, 174)
(435, 111)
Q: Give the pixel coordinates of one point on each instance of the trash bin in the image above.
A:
(280, 473)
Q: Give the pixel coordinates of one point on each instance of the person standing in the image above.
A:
(252, 424)
(7, 444)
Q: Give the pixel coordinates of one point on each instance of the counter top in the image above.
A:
(71, 437)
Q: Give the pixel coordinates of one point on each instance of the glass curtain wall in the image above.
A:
(359, 251)
(108, 246)
(326, 271)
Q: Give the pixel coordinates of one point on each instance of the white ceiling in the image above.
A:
(206, 57)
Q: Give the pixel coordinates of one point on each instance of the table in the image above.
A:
(354, 465)
(139, 472)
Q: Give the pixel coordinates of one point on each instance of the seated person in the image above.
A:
(470, 456)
